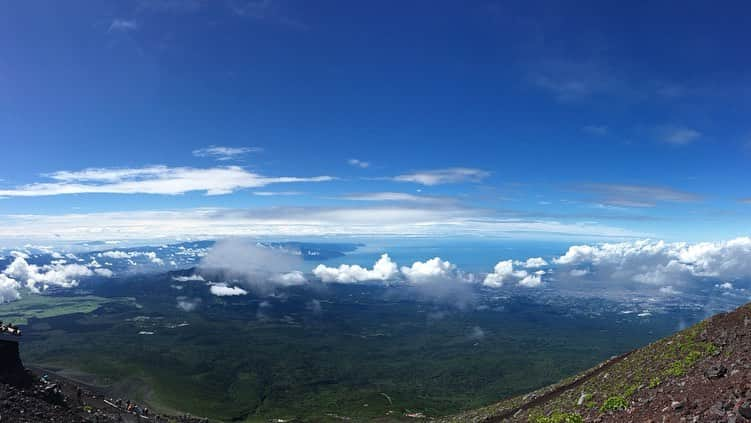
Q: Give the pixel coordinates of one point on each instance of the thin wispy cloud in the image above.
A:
(225, 153)
(123, 25)
(397, 197)
(276, 193)
(678, 135)
(162, 180)
(265, 10)
(596, 130)
(444, 176)
(358, 163)
(623, 195)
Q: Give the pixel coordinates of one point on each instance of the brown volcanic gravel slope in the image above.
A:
(701, 374)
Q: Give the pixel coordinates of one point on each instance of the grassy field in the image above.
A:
(42, 306)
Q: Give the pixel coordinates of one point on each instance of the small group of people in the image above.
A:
(10, 329)
(131, 407)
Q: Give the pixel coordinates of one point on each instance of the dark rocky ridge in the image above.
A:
(27, 398)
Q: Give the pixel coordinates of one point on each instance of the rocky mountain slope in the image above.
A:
(701, 374)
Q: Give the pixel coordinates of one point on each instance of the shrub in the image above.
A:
(614, 403)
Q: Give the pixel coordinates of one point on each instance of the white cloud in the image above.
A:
(358, 163)
(726, 285)
(188, 304)
(107, 273)
(129, 255)
(383, 270)
(532, 280)
(444, 176)
(290, 278)
(222, 290)
(476, 333)
(657, 263)
(191, 278)
(504, 272)
(255, 266)
(123, 25)
(431, 271)
(225, 153)
(533, 263)
(8, 289)
(153, 180)
(669, 290)
(38, 278)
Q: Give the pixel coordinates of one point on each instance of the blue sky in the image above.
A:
(282, 118)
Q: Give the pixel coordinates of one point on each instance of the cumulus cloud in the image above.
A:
(290, 278)
(532, 280)
(504, 272)
(665, 266)
(8, 289)
(152, 180)
(430, 271)
(224, 153)
(534, 262)
(224, 290)
(255, 266)
(38, 278)
(383, 270)
(444, 176)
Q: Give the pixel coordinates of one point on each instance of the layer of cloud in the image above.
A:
(152, 180)
(224, 153)
(412, 219)
(444, 176)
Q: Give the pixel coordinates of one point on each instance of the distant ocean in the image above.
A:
(472, 256)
